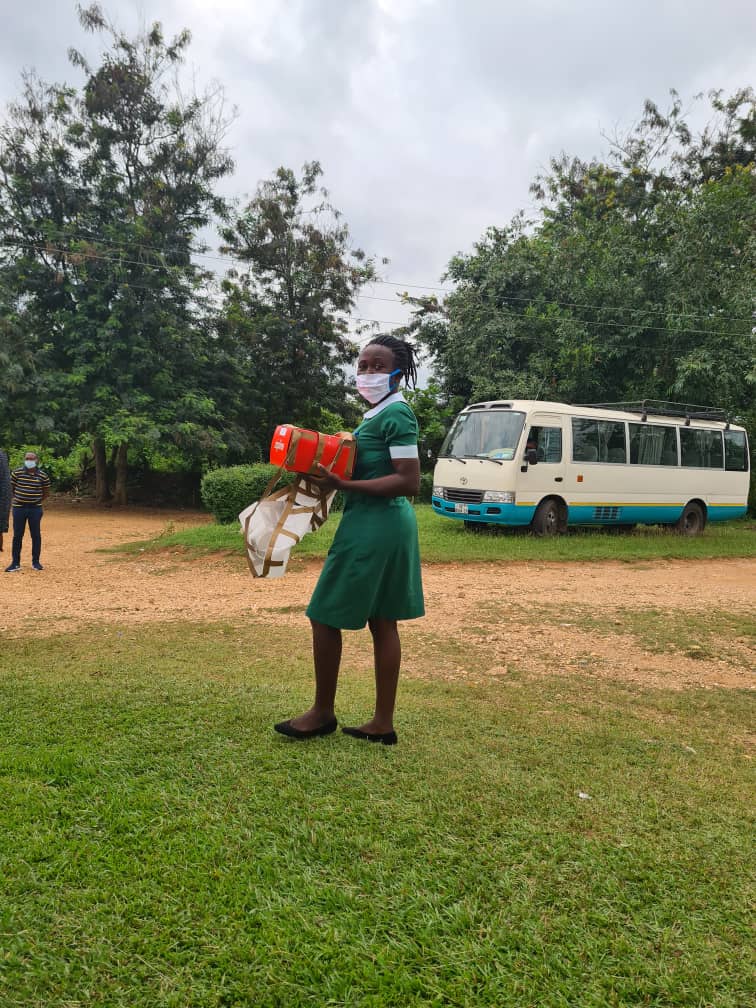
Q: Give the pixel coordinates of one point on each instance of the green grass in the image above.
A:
(445, 540)
(159, 846)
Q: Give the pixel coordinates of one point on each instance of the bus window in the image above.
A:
(598, 441)
(485, 434)
(736, 456)
(701, 449)
(547, 442)
(651, 444)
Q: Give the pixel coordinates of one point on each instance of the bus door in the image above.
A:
(543, 432)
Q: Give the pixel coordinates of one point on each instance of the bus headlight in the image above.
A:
(499, 496)
(438, 491)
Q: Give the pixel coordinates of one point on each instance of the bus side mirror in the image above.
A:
(531, 456)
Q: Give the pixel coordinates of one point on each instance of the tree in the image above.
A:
(635, 282)
(287, 306)
(102, 192)
(435, 415)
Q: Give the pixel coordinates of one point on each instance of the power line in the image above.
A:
(74, 253)
(190, 270)
(574, 304)
(393, 283)
(587, 322)
(396, 283)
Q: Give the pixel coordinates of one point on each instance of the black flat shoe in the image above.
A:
(286, 728)
(387, 738)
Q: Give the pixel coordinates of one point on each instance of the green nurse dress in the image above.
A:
(373, 567)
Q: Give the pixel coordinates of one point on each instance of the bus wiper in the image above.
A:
(485, 458)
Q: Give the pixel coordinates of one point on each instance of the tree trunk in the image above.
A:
(122, 471)
(102, 490)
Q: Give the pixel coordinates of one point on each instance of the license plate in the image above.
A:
(460, 508)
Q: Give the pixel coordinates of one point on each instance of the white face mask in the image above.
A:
(30, 464)
(375, 387)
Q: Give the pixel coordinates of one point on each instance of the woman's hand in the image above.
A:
(327, 480)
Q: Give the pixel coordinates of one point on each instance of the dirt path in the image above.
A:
(580, 610)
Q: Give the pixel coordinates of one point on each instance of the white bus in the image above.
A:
(548, 465)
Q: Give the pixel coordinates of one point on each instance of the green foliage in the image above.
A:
(426, 488)
(66, 472)
(226, 492)
(102, 191)
(435, 413)
(331, 422)
(286, 307)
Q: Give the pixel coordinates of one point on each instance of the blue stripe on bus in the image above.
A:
(647, 514)
(643, 514)
(498, 514)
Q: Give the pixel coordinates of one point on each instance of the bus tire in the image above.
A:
(692, 521)
(547, 520)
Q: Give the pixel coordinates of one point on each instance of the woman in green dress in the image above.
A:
(372, 571)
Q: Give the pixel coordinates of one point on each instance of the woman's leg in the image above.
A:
(326, 650)
(387, 651)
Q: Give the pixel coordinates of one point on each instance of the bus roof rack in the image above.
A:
(658, 407)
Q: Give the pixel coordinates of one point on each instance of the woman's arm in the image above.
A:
(403, 482)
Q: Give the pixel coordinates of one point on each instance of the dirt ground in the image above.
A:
(473, 608)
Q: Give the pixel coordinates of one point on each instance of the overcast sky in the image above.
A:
(430, 117)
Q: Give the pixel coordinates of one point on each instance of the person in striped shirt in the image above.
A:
(30, 486)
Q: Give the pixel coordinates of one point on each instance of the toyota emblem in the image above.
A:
(463, 480)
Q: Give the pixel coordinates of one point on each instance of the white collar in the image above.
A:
(388, 401)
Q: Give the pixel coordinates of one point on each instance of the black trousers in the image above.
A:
(23, 514)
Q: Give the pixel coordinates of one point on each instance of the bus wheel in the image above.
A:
(692, 521)
(546, 521)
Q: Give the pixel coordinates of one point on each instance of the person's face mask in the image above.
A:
(30, 463)
(375, 387)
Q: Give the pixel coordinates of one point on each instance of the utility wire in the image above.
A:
(393, 283)
(574, 304)
(586, 322)
(190, 270)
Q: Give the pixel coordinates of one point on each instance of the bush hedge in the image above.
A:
(426, 488)
(226, 492)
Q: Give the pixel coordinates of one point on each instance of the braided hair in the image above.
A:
(404, 356)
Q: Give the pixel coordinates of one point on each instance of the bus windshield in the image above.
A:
(484, 434)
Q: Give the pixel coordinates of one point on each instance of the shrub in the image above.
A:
(226, 492)
(426, 488)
